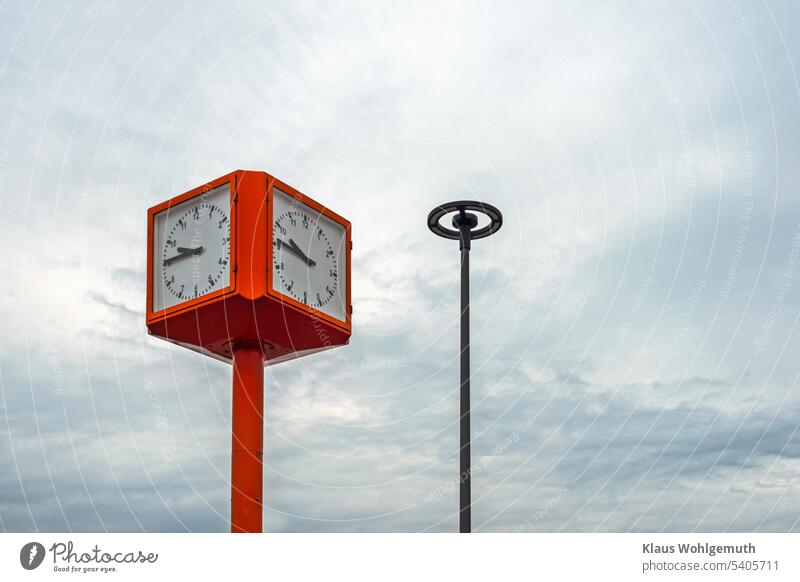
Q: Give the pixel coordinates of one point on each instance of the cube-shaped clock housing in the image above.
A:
(247, 259)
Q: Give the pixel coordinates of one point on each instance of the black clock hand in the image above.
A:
(311, 263)
(292, 247)
(194, 251)
(182, 253)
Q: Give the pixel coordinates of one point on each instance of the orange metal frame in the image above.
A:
(250, 301)
(232, 178)
(272, 183)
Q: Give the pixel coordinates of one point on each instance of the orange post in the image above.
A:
(248, 439)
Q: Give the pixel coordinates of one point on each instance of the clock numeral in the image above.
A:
(195, 290)
(211, 281)
(292, 220)
(332, 273)
(329, 253)
(182, 224)
(196, 213)
(305, 222)
(319, 300)
(172, 243)
(328, 289)
(289, 286)
(305, 297)
(222, 222)
(282, 229)
(319, 233)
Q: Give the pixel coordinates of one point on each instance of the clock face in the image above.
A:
(192, 243)
(308, 256)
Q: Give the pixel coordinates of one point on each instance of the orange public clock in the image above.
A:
(248, 260)
(309, 259)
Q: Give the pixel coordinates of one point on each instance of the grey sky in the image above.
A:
(634, 323)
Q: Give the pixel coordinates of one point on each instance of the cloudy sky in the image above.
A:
(635, 321)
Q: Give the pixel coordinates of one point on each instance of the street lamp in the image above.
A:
(465, 230)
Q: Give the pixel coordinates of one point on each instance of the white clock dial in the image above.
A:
(192, 248)
(308, 256)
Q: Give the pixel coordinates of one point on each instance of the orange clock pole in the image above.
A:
(248, 439)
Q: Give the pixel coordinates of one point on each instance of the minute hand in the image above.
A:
(182, 253)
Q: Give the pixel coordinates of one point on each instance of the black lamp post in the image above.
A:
(465, 231)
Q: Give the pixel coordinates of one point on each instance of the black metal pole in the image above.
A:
(465, 512)
(465, 230)
(465, 222)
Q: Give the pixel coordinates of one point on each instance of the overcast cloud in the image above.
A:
(634, 322)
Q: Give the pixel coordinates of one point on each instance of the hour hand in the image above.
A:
(292, 247)
(311, 262)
